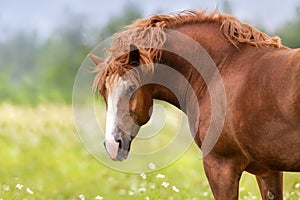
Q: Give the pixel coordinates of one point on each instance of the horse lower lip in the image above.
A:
(120, 159)
(122, 155)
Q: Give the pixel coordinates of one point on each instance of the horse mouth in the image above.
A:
(120, 154)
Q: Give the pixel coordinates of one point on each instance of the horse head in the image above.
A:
(128, 105)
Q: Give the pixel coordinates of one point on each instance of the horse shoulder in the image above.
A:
(294, 64)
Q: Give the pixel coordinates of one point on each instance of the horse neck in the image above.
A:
(210, 37)
(219, 49)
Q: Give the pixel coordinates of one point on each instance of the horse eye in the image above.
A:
(130, 89)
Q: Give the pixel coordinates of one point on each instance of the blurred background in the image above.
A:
(42, 44)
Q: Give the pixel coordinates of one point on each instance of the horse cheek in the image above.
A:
(146, 106)
(139, 107)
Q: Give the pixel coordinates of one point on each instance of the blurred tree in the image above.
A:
(17, 64)
(60, 58)
(290, 31)
(18, 55)
(226, 7)
(116, 23)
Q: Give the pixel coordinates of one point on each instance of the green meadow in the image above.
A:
(42, 157)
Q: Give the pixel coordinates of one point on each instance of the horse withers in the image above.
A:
(261, 132)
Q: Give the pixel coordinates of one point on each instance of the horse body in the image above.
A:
(267, 108)
(262, 99)
(261, 133)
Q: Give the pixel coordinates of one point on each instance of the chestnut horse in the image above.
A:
(261, 132)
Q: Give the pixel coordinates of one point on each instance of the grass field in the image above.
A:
(41, 157)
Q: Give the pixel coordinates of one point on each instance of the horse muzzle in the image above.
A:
(118, 148)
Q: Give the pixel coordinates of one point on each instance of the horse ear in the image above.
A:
(97, 60)
(134, 54)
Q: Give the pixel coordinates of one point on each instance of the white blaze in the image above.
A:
(111, 117)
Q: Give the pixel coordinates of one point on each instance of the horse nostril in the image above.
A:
(120, 143)
(104, 143)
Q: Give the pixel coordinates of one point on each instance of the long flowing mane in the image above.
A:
(149, 32)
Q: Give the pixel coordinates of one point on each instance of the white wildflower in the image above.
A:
(205, 194)
(29, 191)
(133, 188)
(143, 175)
(152, 186)
(122, 192)
(81, 197)
(19, 186)
(147, 198)
(6, 188)
(98, 197)
(297, 185)
(165, 184)
(144, 184)
(130, 193)
(142, 189)
(152, 166)
(160, 176)
(175, 189)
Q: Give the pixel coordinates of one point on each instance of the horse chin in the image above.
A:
(122, 155)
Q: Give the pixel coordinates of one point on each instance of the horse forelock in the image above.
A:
(148, 36)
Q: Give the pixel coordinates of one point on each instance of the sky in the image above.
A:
(43, 17)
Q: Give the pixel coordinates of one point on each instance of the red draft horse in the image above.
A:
(261, 132)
